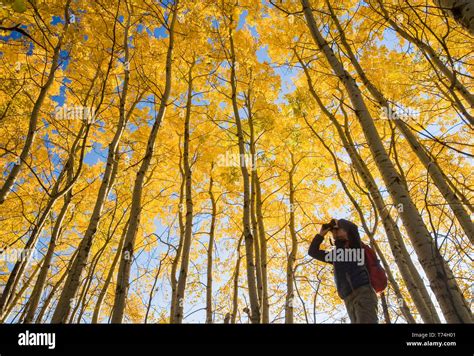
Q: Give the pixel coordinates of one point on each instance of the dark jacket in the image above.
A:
(348, 275)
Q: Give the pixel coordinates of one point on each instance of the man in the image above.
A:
(350, 273)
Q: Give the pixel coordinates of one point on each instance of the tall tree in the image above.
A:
(132, 228)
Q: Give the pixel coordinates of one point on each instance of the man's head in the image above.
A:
(339, 232)
(347, 231)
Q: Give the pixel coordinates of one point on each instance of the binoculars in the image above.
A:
(330, 225)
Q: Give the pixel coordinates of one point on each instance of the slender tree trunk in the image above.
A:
(40, 282)
(290, 267)
(12, 176)
(108, 279)
(404, 308)
(249, 243)
(85, 304)
(20, 293)
(86, 283)
(95, 260)
(461, 11)
(52, 293)
(177, 258)
(263, 250)
(188, 225)
(210, 249)
(450, 297)
(129, 244)
(72, 283)
(153, 287)
(260, 235)
(235, 290)
(435, 60)
(56, 193)
(386, 314)
(439, 179)
(253, 221)
(21, 265)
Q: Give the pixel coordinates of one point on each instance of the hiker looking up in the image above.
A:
(351, 275)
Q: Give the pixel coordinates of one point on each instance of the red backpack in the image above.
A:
(378, 277)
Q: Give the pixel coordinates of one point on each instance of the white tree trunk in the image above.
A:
(461, 11)
(129, 244)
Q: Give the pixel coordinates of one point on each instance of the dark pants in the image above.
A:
(361, 305)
